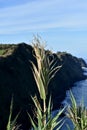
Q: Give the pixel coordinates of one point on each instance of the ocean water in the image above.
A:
(79, 91)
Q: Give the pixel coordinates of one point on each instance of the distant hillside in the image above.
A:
(16, 79)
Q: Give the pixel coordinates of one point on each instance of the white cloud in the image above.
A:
(41, 15)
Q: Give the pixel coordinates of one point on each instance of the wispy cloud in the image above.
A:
(43, 15)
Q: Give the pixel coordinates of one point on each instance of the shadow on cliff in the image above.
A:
(16, 79)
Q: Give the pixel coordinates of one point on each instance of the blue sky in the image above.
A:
(61, 23)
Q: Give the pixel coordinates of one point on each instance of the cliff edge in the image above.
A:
(16, 79)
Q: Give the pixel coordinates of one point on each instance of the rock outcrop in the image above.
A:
(16, 79)
(82, 62)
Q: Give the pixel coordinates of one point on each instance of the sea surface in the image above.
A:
(79, 91)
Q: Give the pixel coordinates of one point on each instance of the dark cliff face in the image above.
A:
(16, 79)
(82, 62)
(70, 72)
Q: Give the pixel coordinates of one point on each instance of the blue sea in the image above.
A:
(79, 91)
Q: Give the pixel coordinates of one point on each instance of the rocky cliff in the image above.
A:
(16, 79)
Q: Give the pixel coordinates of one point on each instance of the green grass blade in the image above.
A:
(32, 122)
